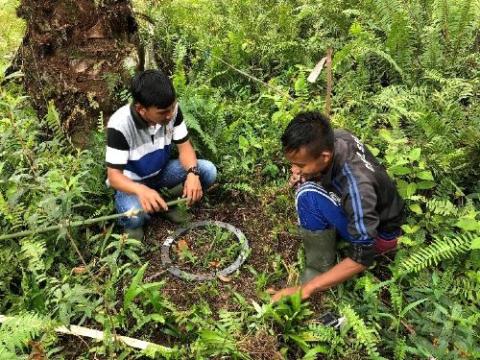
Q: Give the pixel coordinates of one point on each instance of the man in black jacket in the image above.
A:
(342, 191)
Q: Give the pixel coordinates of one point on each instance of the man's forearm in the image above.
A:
(186, 155)
(122, 183)
(341, 272)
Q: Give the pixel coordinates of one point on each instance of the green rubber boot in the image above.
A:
(172, 193)
(320, 254)
(176, 214)
(136, 233)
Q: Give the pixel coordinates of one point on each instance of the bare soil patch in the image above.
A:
(267, 236)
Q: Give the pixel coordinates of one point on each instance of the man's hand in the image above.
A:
(295, 179)
(150, 199)
(290, 291)
(192, 189)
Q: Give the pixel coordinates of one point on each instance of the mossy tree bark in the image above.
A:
(75, 53)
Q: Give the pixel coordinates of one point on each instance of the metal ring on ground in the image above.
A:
(174, 270)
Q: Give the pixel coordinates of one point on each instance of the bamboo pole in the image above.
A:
(68, 224)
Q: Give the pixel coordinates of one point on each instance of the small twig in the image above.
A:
(251, 77)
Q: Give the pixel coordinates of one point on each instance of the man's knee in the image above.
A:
(208, 172)
(311, 200)
(133, 222)
(125, 202)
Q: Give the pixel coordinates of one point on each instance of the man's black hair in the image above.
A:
(152, 88)
(311, 130)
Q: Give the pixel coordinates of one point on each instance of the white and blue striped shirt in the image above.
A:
(141, 150)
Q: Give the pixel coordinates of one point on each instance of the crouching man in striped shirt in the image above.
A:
(139, 141)
(341, 192)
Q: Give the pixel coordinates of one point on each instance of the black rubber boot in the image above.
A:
(320, 252)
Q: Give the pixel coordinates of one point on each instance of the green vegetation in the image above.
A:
(406, 81)
(207, 249)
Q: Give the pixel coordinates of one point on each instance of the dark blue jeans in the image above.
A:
(172, 175)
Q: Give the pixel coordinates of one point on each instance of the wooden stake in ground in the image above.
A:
(328, 97)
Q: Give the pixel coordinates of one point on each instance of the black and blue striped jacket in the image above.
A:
(368, 196)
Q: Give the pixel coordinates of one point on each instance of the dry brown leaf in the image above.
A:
(79, 270)
(224, 278)
(182, 245)
(214, 264)
(37, 351)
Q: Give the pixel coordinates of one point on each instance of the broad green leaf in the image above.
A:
(424, 185)
(300, 86)
(134, 289)
(312, 353)
(386, 135)
(410, 229)
(405, 189)
(425, 175)
(400, 170)
(468, 224)
(416, 208)
(375, 151)
(158, 318)
(475, 243)
(415, 154)
(243, 143)
(412, 306)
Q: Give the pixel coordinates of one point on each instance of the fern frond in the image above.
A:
(13, 213)
(192, 123)
(400, 349)
(53, 122)
(321, 332)
(442, 207)
(467, 287)
(438, 251)
(365, 335)
(15, 332)
(33, 251)
(396, 296)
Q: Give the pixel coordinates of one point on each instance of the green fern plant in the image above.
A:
(53, 121)
(15, 332)
(364, 334)
(439, 250)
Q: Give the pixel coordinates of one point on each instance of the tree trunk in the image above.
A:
(74, 52)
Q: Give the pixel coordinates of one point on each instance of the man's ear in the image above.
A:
(139, 108)
(326, 156)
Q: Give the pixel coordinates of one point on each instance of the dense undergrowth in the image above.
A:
(405, 80)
